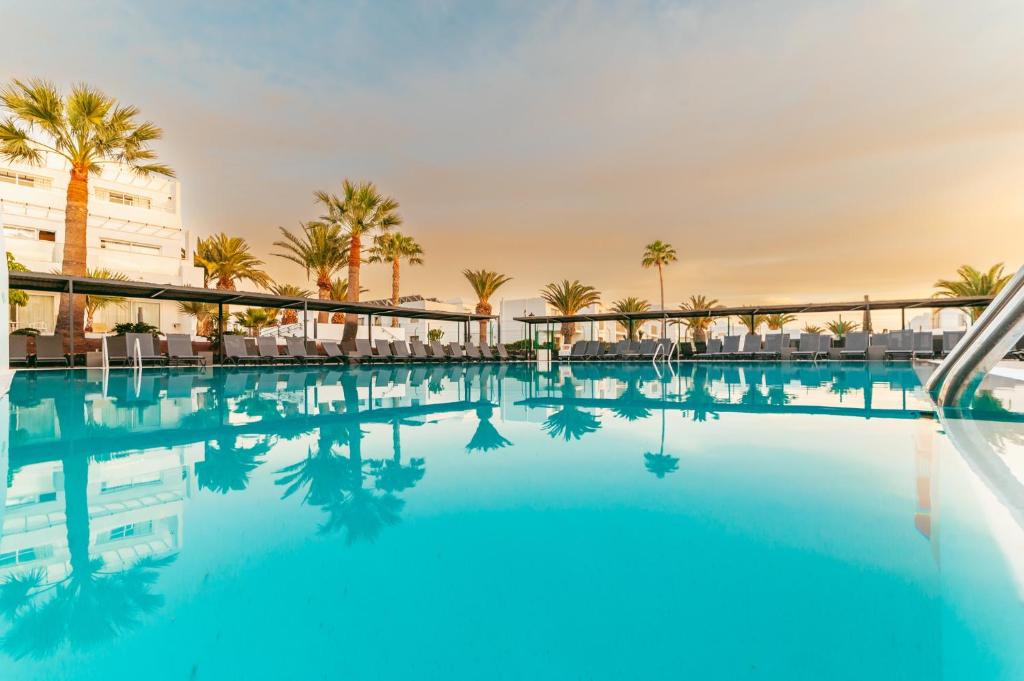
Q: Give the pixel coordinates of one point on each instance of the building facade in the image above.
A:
(134, 228)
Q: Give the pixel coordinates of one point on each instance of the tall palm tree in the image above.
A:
(627, 306)
(95, 303)
(699, 326)
(88, 130)
(485, 284)
(776, 322)
(973, 282)
(361, 212)
(290, 316)
(229, 260)
(659, 254)
(321, 249)
(569, 297)
(394, 247)
(203, 312)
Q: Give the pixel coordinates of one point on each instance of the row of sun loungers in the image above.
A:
(238, 351)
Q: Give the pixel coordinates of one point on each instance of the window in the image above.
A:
(16, 557)
(19, 232)
(131, 530)
(24, 180)
(38, 314)
(123, 199)
(129, 247)
(110, 316)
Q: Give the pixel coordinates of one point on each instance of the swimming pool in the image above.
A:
(722, 521)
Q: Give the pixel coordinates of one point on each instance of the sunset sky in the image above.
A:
(790, 151)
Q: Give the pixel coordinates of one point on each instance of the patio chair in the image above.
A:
(750, 347)
(267, 347)
(949, 340)
(363, 352)
(773, 345)
(924, 344)
(145, 351)
(486, 354)
(856, 346)
(296, 349)
(809, 348)
(117, 350)
(18, 349)
(579, 350)
(647, 348)
(50, 350)
(900, 345)
(179, 350)
(592, 350)
(503, 352)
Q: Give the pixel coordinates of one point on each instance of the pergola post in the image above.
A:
(305, 321)
(498, 323)
(220, 330)
(369, 328)
(71, 321)
(903, 319)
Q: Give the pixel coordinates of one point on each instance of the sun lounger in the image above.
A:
(473, 352)
(856, 346)
(438, 351)
(400, 350)
(267, 347)
(646, 349)
(579, 350)
(773, 346)
(949, 340)
(296, 349)
(17, 345)
(332, 352)
(419, 352)
(455, 351)
(179, 350)
(900, 345)
(713, 349)
(924, 344)
(750, 347)
(236, 351)
(363, 352)
(592, 350)
(383, 348)
(809, 348)
(140, 349)
(486, 354)
(731, 346)
(502, 352)
(50, 350)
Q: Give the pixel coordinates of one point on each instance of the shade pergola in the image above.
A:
(752, 311)
(71, 285)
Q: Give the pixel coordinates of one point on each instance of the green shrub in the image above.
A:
(134, 327)
(27, 331)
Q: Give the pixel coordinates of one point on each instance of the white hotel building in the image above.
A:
(134, 228)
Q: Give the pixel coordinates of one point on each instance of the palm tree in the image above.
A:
(751, 325)
(16, 297)
(95, 303)
(320, 249)
(659, 254)
(698, 326)
(812, 328)
(569, 297)
(203, 312)
(627, 306)
(290, 316)
(88, 130)
(776, 322)
(840, 328)
(361, 211)
(485, 284)
(973, 282)
(229, 260)
(254, 319)
(393, 247)
(339, 292)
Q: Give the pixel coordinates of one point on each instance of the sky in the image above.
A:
(790, 151)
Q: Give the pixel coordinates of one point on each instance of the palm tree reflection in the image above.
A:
(570, 422)
(226, 464)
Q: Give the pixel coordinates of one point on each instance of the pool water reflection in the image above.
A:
(499, 521)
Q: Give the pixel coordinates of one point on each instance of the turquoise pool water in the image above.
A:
(740, 521)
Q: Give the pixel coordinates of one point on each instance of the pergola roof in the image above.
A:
(61, 283)
(748, 310)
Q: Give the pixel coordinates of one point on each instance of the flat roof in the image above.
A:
(747, 310)
(62, 283)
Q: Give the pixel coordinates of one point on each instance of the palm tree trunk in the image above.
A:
(395, 282)
(661, 285)
(354, 260)
(323, 286)
(76, 216)
(483, 307)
